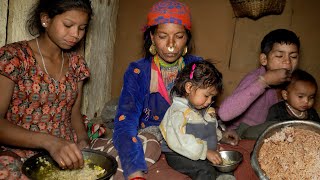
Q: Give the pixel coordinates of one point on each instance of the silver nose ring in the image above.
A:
(170, 49)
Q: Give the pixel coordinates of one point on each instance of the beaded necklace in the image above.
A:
(301, 115)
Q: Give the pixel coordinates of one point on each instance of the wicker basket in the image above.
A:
(255, 9)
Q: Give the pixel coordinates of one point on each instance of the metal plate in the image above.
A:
(302, 124)
(32, 165)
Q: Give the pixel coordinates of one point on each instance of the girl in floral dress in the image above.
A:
(41, 87)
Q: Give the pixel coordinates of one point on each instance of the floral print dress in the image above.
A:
(38, 103)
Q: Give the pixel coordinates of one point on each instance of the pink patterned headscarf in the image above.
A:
(169, 11)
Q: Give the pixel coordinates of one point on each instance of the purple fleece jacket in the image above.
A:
(249, 103)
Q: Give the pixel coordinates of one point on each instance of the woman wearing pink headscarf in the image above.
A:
(147, 82)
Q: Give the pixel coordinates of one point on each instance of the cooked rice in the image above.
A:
(292, 153)
(50, 172)
(227, 161)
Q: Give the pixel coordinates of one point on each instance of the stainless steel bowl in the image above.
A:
(234, 156)
(32, 165)
(309, 125)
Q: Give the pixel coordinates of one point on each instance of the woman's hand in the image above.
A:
(66, 154)
(83, 143)
(230, 137)
(214, 157)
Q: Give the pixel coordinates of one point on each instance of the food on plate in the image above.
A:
(290, 153)
(48, 171)
(227, 161)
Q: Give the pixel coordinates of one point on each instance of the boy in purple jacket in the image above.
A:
(248, 105)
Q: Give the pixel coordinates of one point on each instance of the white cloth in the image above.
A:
(173, 129)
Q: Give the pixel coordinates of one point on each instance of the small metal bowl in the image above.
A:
(271, 130)
(32, 165)
(234, 156)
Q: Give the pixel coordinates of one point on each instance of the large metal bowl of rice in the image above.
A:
(98, 165)
(288, 150)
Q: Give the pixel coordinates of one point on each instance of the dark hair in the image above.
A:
(53, 8)
(205, 74)
(148, 41)
(281, 36)
(301, 75)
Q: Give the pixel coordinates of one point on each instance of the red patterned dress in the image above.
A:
(38, 103)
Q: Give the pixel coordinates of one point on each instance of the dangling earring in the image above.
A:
(153, 49)
(185, 50)
(44, 24)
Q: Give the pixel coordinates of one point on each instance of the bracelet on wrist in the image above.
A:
(138, 178)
